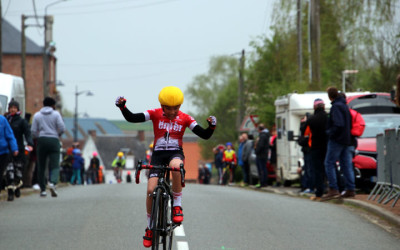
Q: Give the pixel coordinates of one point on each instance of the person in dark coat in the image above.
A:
(339, 146)
(262, 147)
(319, 140)
(21, 131)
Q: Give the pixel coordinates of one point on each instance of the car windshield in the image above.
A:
(377, 123)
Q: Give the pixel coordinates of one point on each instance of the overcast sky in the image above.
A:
(136, 47)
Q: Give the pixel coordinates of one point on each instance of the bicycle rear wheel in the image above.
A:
(156, 219)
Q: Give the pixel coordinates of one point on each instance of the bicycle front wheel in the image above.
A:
(167, 237)
(156, 219)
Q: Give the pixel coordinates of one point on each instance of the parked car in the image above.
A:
(379, 113)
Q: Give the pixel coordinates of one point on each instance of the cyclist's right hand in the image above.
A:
(120, 102)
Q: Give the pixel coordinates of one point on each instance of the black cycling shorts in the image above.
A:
(164, 157)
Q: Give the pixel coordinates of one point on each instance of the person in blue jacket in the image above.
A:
(7, 142)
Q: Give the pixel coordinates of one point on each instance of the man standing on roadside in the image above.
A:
(339, 146)
(316, 123)
(246, 152)
(48, 126)
(262, 147)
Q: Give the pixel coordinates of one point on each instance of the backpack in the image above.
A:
(357, 123)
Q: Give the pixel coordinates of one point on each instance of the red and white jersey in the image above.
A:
(168, 133)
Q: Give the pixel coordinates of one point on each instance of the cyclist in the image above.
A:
(229, 160)
(169, 125)
(118, 164)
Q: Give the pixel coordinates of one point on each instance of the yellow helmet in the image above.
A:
(170, 96)
(120, 154)
(151, 145)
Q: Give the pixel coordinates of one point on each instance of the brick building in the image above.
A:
(12, 61)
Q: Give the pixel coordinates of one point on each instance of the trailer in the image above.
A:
(289, 110)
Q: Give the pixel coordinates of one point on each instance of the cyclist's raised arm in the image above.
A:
(128, 115)
(208, 132)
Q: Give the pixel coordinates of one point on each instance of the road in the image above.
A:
(216, 217)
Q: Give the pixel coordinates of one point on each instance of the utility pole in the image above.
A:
(23, 48)
(299, 40)
(48, 37)
(240, 114)
(315, 42)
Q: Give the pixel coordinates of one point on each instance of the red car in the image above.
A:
(379, 113)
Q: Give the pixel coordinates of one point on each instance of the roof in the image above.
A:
(11, 41)
(101, 125)
(109, 146)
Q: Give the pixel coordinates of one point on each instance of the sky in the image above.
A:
(134, 48)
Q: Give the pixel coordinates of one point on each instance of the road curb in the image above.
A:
(387, 215)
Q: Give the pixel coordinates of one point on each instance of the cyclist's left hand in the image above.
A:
(212, 122)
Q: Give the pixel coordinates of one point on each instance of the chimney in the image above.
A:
(140, 135)
(92, 133)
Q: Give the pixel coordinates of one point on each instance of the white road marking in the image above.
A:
(179, 231)
(182, 245)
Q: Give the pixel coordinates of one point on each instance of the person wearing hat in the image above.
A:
(21, 131)
(219, 165)
(94, 169)
(230, 161)
(119, 164)
(8, 144)
(169, 124)
(318, 140)
(47, 127)
(77, 166)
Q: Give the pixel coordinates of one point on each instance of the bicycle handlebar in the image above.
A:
(139, 167)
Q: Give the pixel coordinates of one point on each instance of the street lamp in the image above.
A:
(344, 73)
(88, 93)
(49, 45)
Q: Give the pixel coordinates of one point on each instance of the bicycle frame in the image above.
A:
(161, 215)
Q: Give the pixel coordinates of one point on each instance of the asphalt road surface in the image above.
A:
(216, 217)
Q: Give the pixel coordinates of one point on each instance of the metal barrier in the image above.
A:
(388, 168)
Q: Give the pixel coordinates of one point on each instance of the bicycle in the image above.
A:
(161, 213)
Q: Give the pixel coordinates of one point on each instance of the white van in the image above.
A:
(289, 110)
(11, 87)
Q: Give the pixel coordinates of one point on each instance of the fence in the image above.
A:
(388, 168)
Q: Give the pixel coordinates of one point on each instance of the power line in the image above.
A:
(129, 7)
(132, 63)
(130, 78)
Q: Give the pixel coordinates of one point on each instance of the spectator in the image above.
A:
(128, 177)
(66, 165)
(218, 155)
(149, 152)
(307, 179)
(77, 165)
(339, 146)
(7, 142)
(262, 146)
(230, 161)
(246, 153)
(93, 169)
(316, 123)
(397, 98)
(21, 131)
(48, 126)
(239, 156)
(272, 155)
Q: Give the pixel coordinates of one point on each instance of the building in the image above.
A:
(35, 86)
